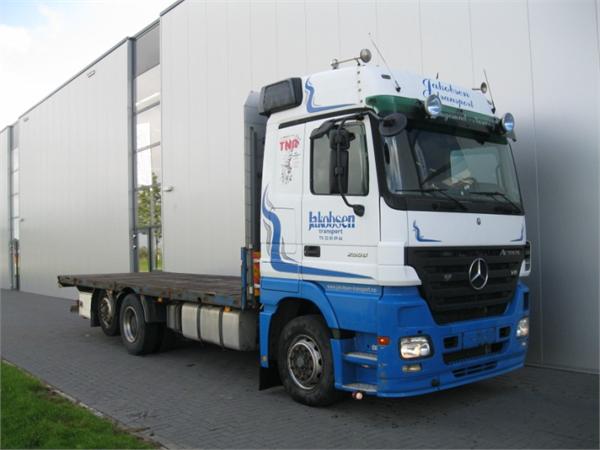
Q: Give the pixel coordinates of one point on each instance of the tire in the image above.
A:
(138, 336)
(305, 361)
(108, 315)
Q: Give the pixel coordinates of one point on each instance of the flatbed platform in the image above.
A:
(209, 289)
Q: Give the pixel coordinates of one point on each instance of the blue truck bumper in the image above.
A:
(462, 352)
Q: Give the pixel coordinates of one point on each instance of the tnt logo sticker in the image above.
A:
(289, 157)
(289, 143)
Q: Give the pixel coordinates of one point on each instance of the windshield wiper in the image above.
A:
(441, 191)
(494, 194)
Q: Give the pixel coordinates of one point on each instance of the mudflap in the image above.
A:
(268, 377)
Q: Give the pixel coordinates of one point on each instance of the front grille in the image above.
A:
(445, 280)
(470, 353)
(472, 370)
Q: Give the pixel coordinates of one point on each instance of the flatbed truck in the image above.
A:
(385, 244)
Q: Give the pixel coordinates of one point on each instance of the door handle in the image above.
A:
(312, 250)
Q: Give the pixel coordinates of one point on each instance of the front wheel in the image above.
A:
(138, 336)
(305, 362)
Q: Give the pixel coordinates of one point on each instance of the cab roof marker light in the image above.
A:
(433, 106)
(507, 123)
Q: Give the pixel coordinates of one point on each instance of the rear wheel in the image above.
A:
(305, 362)
(108, 315)
(138, 336)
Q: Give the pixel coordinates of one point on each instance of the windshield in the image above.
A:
(461, 169)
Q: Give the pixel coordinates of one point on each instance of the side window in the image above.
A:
(323, 161)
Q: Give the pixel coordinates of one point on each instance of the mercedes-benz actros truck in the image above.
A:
(384, 251)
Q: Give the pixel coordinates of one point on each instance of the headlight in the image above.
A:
(523, 327)
(508, 122)
(433, 105)
(414, 347)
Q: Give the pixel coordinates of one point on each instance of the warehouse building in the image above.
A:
(117, 169)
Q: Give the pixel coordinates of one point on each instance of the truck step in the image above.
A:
(363, 387)
(369, 359)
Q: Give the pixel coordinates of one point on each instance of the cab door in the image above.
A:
(337, 244)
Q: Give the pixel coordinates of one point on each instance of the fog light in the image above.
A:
(523, 327)
(411, 368)
(414, 347)
(433, 105)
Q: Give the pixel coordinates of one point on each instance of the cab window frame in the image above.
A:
(363, 130)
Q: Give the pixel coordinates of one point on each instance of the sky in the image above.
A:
(43, 43)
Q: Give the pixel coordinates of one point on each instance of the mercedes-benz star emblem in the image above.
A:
(478, 274)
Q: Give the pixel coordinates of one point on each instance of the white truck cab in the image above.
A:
(391, 203)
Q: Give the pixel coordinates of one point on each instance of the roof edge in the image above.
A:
(87, 67)
(170, 7)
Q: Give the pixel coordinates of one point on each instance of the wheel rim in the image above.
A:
(130, 324)
(305, 362)
(105, 311)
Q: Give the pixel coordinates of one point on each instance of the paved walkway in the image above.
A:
(197, 396)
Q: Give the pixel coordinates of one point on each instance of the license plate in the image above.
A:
(477, 338)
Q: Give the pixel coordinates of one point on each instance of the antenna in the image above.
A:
(489, 88)
(385, 62)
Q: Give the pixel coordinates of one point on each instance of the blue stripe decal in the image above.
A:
(289, 265)
(310, 106)
(419, 236)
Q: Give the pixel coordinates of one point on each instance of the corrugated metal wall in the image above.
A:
(74, 170)
(4, 208)
(542, 58)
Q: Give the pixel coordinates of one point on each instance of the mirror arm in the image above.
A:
(332, 122)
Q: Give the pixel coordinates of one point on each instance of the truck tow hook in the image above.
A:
(74, 308)
(357, 395)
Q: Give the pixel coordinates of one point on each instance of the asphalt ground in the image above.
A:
(202, 396)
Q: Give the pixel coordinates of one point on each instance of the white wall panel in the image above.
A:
(175, 132)
(446, 40)
(322, 34)
(4, 209)
(509, 73)
(263, 39)
(74, 179)
(398, 35)
(202, 98)
(357, 18)
(565, 67)
(291, 39)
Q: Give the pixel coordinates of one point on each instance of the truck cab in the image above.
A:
(390, 217)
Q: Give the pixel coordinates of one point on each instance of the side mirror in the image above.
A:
(340, 171)
(392, 124)
(339, 139)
